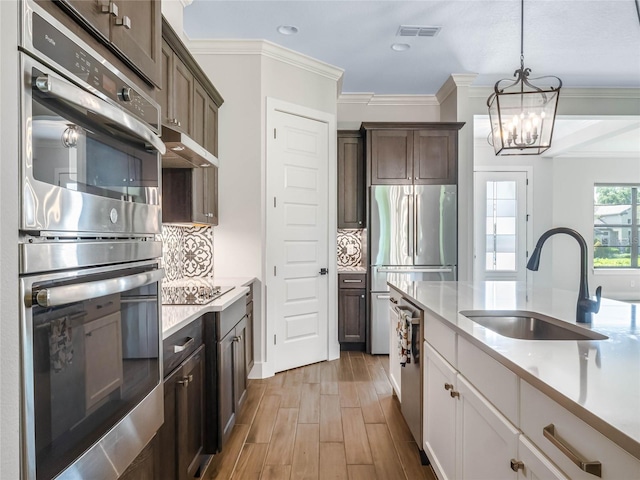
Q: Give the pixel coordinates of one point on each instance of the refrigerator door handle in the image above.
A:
(410, 225)
(416, 202)
(415, 270)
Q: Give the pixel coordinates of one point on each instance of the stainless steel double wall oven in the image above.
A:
(89, 262)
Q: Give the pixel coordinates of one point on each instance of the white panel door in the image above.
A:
(297, 239)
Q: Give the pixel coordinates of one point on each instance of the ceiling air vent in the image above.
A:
(417, 31)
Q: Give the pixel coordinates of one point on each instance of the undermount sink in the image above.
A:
(525, 325)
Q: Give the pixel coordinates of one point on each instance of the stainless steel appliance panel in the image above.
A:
(435, 240)
(391, 226)
(380, 323)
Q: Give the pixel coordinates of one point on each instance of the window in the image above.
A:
(616, 226)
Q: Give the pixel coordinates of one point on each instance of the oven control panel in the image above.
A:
(97, 74)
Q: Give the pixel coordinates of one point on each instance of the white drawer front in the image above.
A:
(441, 338)
(496, 382)
(538, 411)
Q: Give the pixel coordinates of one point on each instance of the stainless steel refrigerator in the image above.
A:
(413, 231)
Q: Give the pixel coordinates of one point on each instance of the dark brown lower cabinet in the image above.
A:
(352, 315)
(182, 434)
(232, 376)
(146, 466)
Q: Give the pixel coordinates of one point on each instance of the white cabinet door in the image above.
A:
(103, 361)
(536, 465)
(394, 357)
(485, 440)
(440, 414)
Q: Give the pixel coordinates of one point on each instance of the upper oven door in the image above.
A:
(89, 168)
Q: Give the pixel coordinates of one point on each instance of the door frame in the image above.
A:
(528, 208)
(272, 106)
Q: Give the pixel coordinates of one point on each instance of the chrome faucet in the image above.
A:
(586, 306)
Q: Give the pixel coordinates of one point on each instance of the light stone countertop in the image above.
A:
(174, 317)
(359, 269)
(604, 391)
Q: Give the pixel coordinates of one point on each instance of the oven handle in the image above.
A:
(81, 98)
(56, 296)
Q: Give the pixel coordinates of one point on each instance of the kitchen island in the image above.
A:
(597, 381)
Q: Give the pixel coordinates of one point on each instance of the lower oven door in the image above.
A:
(91, 348)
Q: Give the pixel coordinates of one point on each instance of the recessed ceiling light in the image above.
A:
(287, 29)
(400, 47)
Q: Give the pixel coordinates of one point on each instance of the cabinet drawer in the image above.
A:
(440, 337)
(495, 381)
(230, 316)
(180, 345)
(352, 280)
(537, 412)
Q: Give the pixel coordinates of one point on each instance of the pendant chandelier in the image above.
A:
(522, 115)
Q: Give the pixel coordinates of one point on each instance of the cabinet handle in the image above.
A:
(360, 222)
(594, 468)
(184, 346)
(454, 394)
(124, 22)
(185, 381)
(393, 300)
(448, 386)
(352, 281)
(516, 465)
(112, 9)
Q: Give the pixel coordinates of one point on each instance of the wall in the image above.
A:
(245, 74)
(9, 314)
(573, 181)
(353, 109)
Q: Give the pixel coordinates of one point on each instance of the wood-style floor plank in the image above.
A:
(333, 463)
(310, 403)
(360, 371)
(410, 459)
(397, 426)
(250, 463)
(223, 464)
(379, 377)
(306, 455)
(348, 394)
(385, 457)
(362, 472)
(330, 419)
(311, 373)
(345, 373)
(289, 396)
(276, 472)
(356, 445)
(371, 410)
(328, 379)
(264, 419)
(293, 377)
(282, 440)
(250, 407)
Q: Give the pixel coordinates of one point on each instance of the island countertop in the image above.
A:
(174, 317)
(597, 380)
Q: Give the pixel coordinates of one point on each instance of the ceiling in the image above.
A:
(587, 43)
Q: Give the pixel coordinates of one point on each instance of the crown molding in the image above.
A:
(574, 92)
(267, 49)
(455, 80)
(387, 100)
(592, 154)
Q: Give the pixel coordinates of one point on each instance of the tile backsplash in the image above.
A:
(187, 252)
(350, 247)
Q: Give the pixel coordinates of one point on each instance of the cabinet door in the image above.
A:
(200, 100)
(182, 97)
(391, 157)
(351, 200)
(191, 414)
(351, 315)
(137, 33)
(90, 13)
(435, 154)
(536, 465)
(226, 405)
(211, 127)
(486, 440)
(168, 433)
(440, 414)
(240, 364)
(249, 336)
(205, 195)
(165, 96)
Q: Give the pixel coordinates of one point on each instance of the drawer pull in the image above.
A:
(352, 281)
(448, 386)
(594, 468)
(516, 465)
(184, 346)
(454, 394)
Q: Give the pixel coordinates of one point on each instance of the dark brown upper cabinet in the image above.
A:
(132, 29)
(412, 154)
(190, 195)
(177, 93)
(351, 180)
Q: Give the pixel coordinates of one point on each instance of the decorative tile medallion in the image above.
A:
(187, 252)
(349, 248)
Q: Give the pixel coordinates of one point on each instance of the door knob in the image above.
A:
(324, 271)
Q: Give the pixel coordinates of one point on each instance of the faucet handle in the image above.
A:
(596, 305)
